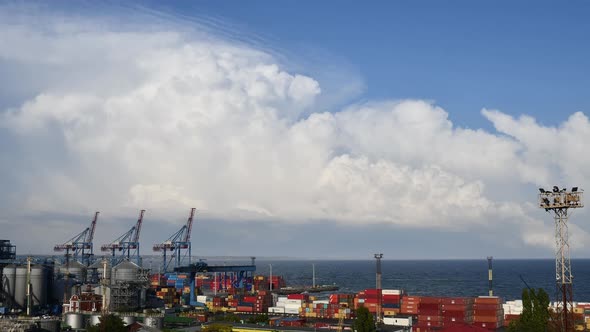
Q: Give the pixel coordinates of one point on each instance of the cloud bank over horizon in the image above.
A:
(125, 118)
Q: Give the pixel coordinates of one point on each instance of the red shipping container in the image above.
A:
(425, 324)
(391, 298)
(488, 300)
(462, 307)
(486, 325)
(297, 297)
(430, 300)
(429, 312)
(457, 300)
(422, 318)
(429, 306)
(372, 291)
(479, 306)
(487, 312)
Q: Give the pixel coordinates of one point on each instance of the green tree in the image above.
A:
(258, 319)
(364, 321)
(109, 323)
(535, 312)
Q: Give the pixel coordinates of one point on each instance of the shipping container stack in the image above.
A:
(390, 303)
(457, 310)
(288, 306)
(333, 307)
(313, 308)
(488, 312)
(168, 295)
(257, 303)
(369, 298)
(584, 309)
(580, 320)
(260, 283)
(157, 280)
(429, 313)
(410, 305)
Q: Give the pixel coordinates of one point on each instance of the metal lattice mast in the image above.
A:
(378, 258)
(558, 202)
(490, 289)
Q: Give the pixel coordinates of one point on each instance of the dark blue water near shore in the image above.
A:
(435, 277)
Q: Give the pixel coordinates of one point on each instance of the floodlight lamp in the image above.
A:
(574, 189)
(555, 189)
(542, 190)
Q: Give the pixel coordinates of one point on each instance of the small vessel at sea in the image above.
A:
(307, 289)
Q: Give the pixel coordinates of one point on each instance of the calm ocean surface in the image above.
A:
(429, 277)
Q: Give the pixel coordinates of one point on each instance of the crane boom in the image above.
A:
(138, 226)
(177, 242)
(189, 226)
(92, 227)
(80, 243)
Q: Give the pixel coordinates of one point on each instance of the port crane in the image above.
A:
(128, 244)
(176, 243)
(80, 245)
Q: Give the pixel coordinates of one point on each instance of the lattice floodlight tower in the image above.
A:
(558, 202)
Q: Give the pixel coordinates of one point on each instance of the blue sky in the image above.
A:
(521, 57)
(296, 128)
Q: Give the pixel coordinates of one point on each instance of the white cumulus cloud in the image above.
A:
(171, 119)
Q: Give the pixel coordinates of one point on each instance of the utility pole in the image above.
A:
(558, 202)
(490, 290)
(378, 258)
(29, 295)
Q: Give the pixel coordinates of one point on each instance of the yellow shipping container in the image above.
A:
(578, 310)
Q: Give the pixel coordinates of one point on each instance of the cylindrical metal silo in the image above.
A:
(128, 320)
(94, 320)
(38, 285)
(99, 267)
(125, 271)
(75, 320)
(157, 322)
(20, 285)
(76, 270)
(9, 271)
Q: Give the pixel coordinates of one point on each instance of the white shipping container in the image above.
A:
(292, 306)
(276, 310)
(293, 301)
(280, 304)
(292, 311)
(202, 298)
(397, 321)
(282, 298)
(391, 291)
(321, 302)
